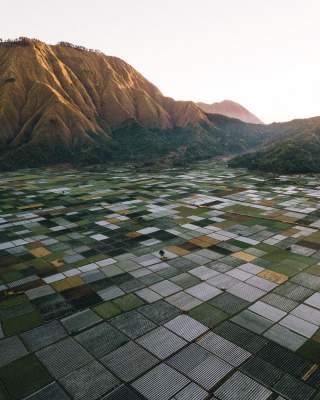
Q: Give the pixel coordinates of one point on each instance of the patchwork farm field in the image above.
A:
(200, 283)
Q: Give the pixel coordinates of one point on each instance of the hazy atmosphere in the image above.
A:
(261, 54)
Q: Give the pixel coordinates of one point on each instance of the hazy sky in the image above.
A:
(262, 53)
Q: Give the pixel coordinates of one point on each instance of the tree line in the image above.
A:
(24, 41)
(77, 47)
(20, 41)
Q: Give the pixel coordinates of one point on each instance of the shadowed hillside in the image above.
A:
(290, 147)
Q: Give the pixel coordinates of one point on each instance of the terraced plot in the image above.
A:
(180, 284)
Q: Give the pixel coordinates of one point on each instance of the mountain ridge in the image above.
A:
(56, 78)
(64, 103)
(61, 103)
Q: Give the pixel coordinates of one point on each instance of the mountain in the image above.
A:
(64, 103)
(230, 109)
(288, 147)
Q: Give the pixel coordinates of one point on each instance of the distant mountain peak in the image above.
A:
(230, 109)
